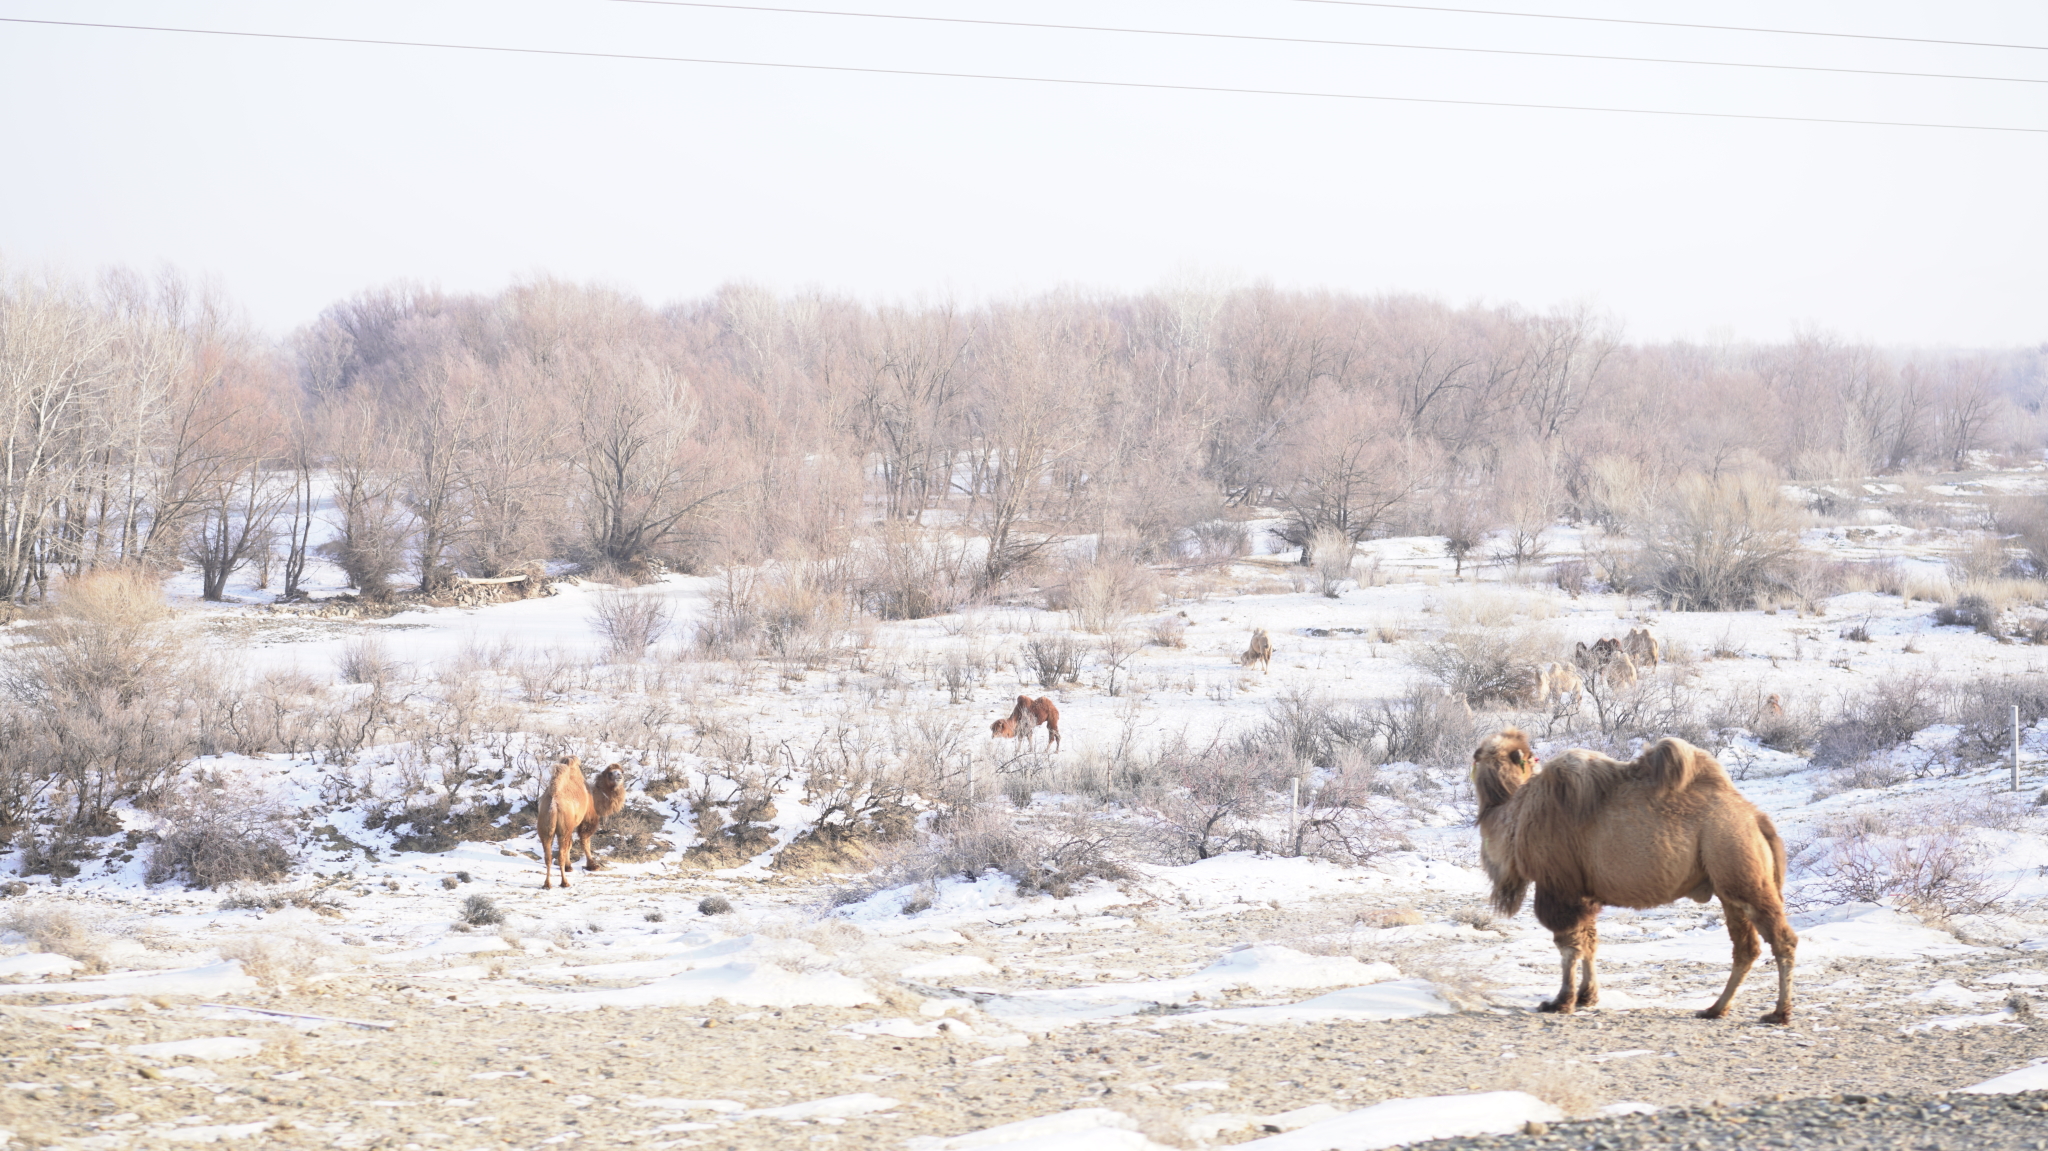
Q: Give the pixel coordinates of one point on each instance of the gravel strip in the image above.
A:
(1879, 1122)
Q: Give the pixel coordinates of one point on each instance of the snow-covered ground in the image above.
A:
(1179, 955)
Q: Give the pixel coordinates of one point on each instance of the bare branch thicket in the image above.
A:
(630, 622)
(1719, 543)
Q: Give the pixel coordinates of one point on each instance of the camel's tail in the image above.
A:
(1770, 834)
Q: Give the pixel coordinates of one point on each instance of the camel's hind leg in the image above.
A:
(1742, 933)
(547, 862)
(1572, 925)
(1777, 931)
(563, 860)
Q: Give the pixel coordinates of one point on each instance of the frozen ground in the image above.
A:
(1297, 1001)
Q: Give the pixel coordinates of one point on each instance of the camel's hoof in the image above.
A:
(1710, 1013)
(1779, 1017)
(1589, 1000)
(1553, 1007)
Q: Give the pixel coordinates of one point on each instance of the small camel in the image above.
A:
(1774, 707)
(1589, 831)
(568, 812)
(1562, 680)
(1261, 652)
(1620, 672)
(1026, 718)
(1642, 647)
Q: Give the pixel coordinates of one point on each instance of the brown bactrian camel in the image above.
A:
(568, 812)
(1588, 831)
(1260, 652)
(1027, 717)
(1642, 647)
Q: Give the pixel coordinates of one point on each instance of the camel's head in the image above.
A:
(1503, 763)
(1003, 728)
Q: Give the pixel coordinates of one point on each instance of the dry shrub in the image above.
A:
(1983, 707)
(1792, 727)
(800, 614)
(906, 574)
(1972, 611)
(1425, 726)
(1213, 799)
(366, 660)
(276, 960)
(1485, 665)
(1718, 543)
(1104, 595)
(714, 905)
(1887, 715)
(56, 931)
(1170, 631)
(1333, 551)
(318, 898)
(1055, 660)
(1218, 541)
(1052, 852)
(1939, 870)
(630, 624)
(213, 836)
(110, 697)
(1491, 608)
(481, 911)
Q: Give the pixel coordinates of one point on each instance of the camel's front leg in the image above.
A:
(1567, 1000)
(1589, 947)
(589, 859)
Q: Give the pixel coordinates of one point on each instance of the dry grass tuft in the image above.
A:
(56, 931)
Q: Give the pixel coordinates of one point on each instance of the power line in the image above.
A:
(1023, 79)
(1670, 24)
(1329, 43)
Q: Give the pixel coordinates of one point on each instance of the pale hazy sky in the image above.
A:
(297, 173)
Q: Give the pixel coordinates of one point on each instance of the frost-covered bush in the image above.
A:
(1938, 870)
(630, 624)
(481, 911)
(1887, 715)
(1718, 543)
(215, 836)
(1484, 665)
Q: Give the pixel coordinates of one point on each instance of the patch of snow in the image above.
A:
(750, 984)
(1399, 1121)
(206, 1050)
(223, 978)
(837, 1107)
(2033, 1077)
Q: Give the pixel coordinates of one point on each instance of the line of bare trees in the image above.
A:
(442, 435)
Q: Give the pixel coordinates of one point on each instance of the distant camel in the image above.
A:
(1620, 672)
(1026, 717)
(1609, 661)
(568, 812)
(1642, 647)
(1589, 831)
(1561, 680)
(1774, 707)
(1261, 652)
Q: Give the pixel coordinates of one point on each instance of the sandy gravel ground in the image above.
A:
(462, 1075)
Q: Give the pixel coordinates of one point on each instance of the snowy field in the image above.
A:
(1252, 998)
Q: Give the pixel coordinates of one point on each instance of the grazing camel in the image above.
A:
(1642, 647)
(1588, 831)
(1261, 652)
(1026, 717)
(568, 812)
(1561, 680)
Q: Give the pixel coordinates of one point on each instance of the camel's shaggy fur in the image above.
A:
(1587, 831)
(1260, 652)
(1561, 680)
(1642, 647)
(568, 812)
(1027, 717)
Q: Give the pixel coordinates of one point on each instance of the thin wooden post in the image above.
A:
(2015, 747)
